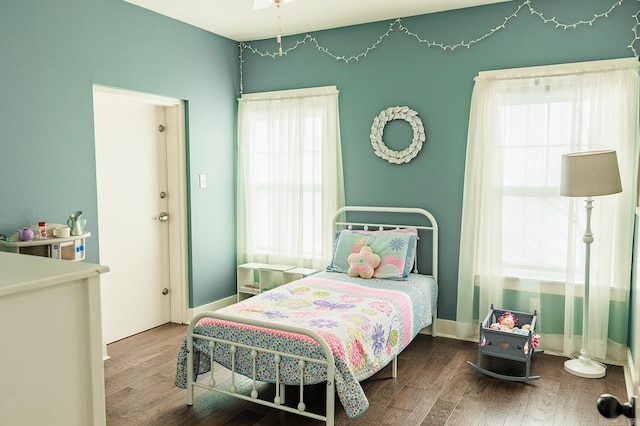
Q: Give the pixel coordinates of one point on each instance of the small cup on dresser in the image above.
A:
(61, 231)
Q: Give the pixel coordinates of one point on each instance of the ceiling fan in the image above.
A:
(263, 4)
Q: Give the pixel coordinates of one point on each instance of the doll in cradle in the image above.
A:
(508, 322)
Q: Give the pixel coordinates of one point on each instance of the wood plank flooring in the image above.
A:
(435, 386)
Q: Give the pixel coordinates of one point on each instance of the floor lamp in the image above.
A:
(588, 174)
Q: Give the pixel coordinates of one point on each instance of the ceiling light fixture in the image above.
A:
(279, 36)
(263, 4)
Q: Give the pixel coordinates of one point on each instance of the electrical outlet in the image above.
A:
(534, 305)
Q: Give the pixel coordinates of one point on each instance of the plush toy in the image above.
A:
(363, 263)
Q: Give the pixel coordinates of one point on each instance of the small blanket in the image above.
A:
(366, 323)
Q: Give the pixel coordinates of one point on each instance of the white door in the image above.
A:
(131, 172)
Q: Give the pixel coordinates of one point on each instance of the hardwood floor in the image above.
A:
(435, 386)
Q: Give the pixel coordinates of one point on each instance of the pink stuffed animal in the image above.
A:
(363, 263)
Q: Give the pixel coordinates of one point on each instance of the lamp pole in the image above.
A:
(588, 239)
(584, 366)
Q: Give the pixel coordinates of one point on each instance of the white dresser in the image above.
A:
(51, 364)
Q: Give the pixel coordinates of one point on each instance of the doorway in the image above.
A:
(141, 192)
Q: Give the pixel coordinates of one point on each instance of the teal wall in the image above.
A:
(437, 84)
(51, 52)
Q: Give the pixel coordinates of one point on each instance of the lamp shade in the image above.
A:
(588, 174)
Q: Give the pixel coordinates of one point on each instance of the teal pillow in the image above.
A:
(393, 249)
(413, 244)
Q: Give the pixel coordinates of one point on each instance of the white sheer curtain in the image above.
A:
(518, 235)
(290, 180)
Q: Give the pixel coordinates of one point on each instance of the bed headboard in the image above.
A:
(384, 218)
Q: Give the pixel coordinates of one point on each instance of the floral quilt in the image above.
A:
(366, 323)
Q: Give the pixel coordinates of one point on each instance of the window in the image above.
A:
(289, 176)
(517, 232)
(534, 229)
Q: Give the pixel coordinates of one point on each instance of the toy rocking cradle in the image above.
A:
(515, 343)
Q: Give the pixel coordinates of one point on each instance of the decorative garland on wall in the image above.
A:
(446, 47)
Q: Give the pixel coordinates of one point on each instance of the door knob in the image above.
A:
(610, 407)
(164, 216)
(165, 291)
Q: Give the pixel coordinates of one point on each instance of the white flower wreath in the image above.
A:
(377, 129)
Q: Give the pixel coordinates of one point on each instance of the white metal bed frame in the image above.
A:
(302, 362)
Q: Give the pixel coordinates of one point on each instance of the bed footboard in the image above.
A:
(278, 402)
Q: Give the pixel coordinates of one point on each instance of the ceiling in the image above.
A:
(237, 20)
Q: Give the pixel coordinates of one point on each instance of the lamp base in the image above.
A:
(585, 367)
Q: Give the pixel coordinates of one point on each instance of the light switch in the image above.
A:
(203, 181)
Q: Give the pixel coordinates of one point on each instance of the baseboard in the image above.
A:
(630, 376)
(447, 329)
(213, 306)
(105, 356)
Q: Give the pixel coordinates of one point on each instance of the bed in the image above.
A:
(329, 327)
